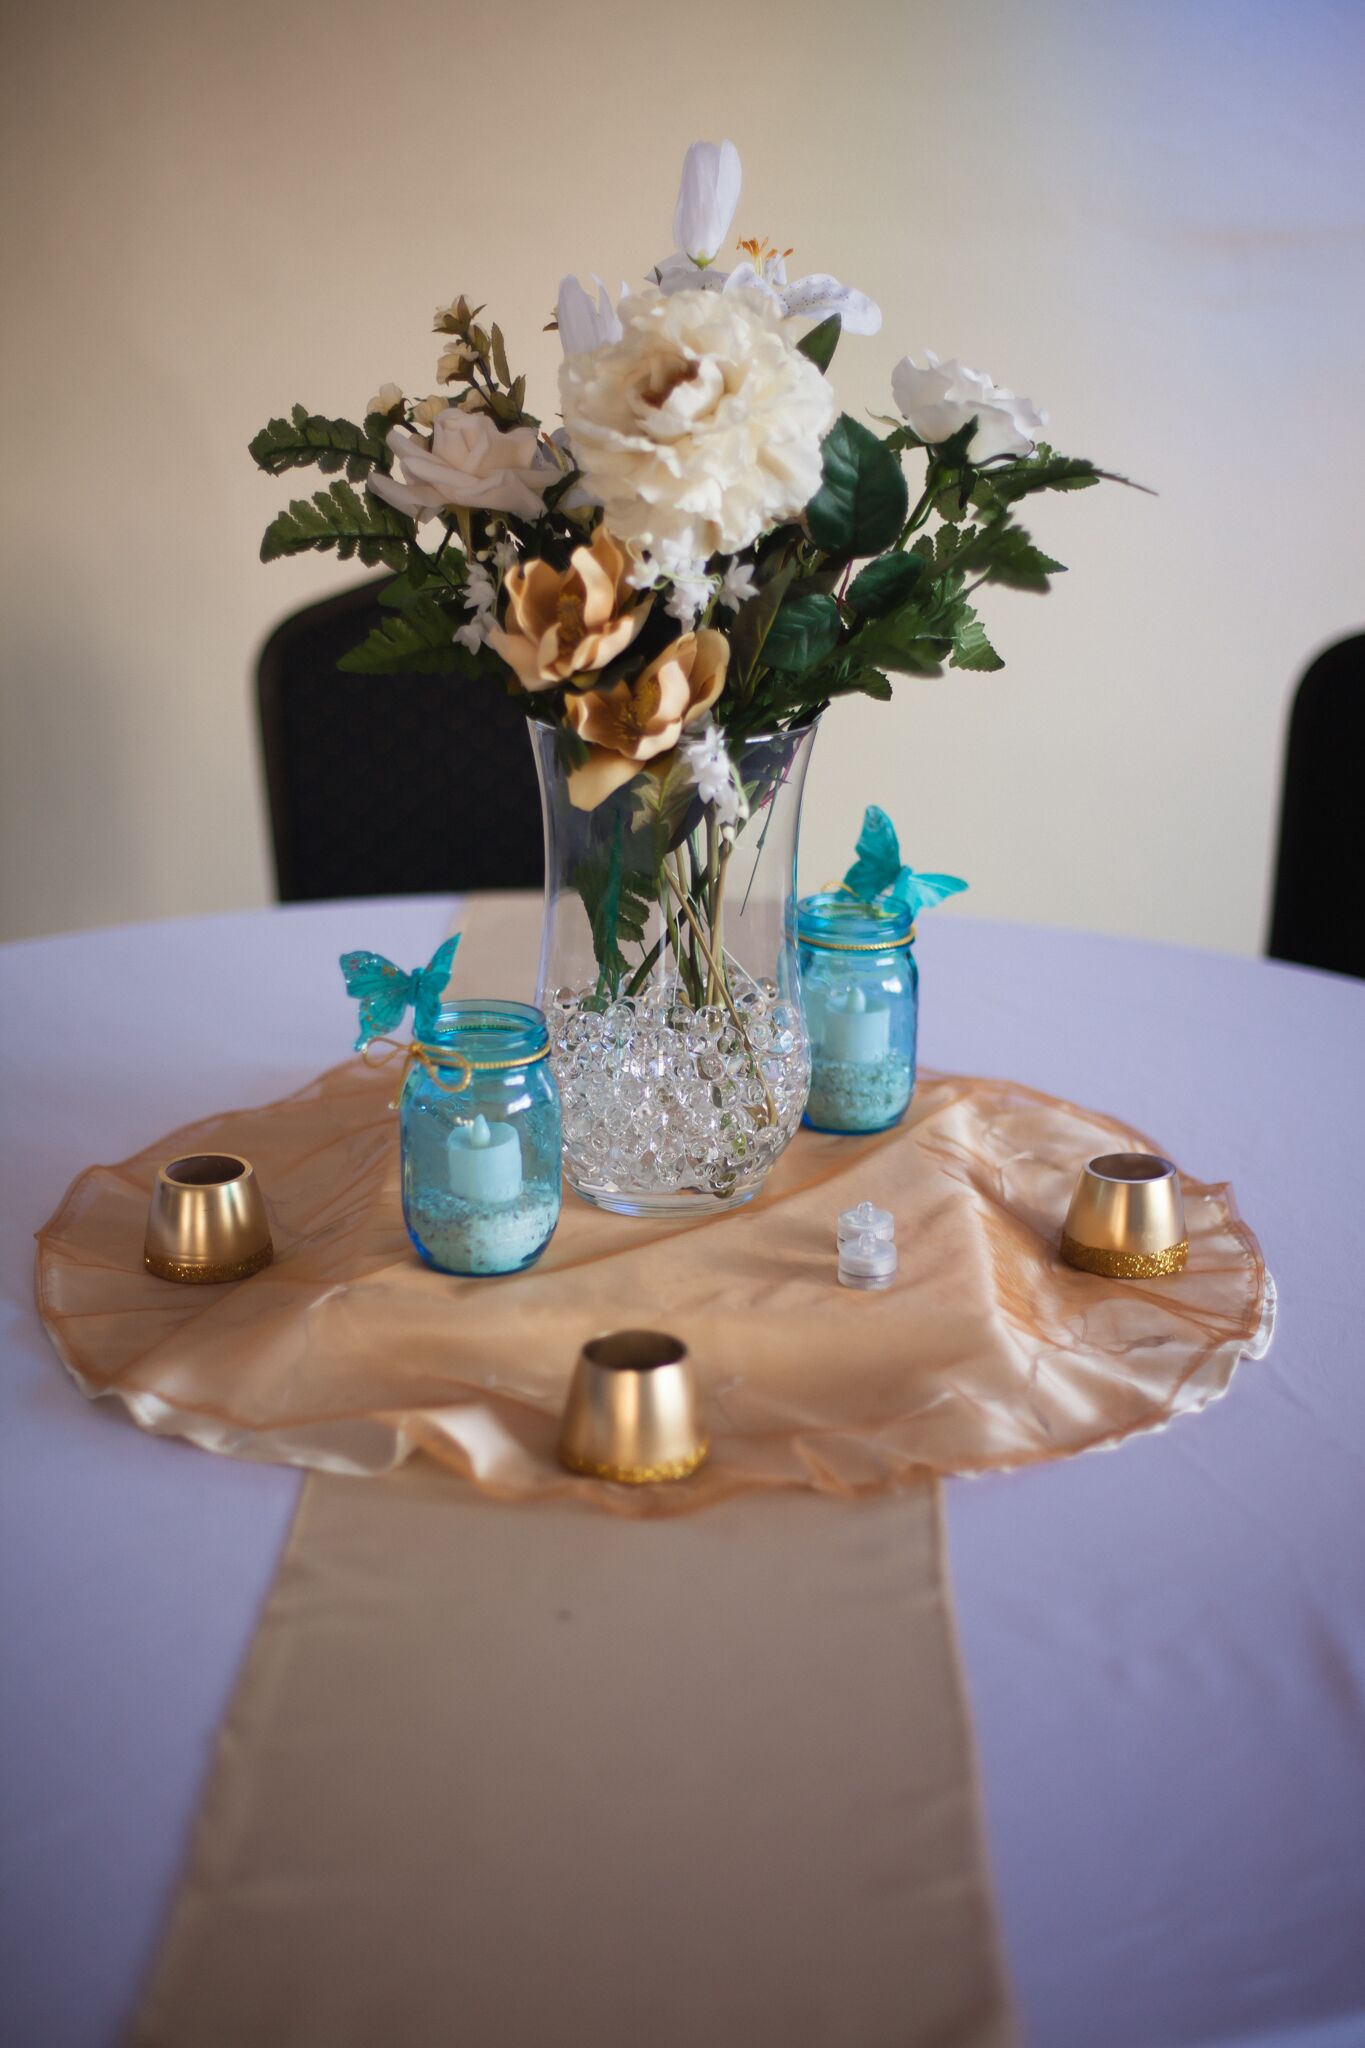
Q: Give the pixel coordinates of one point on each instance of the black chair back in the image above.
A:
(389, 785)
(1318, 914)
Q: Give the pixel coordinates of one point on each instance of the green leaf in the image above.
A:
(971, 648)
(901, 642)
(338, 518)
(819, 345)
(418, 642)
(1012, 559)
(426, 576)
(884, 585)
(861, 506)
(306, 438)
(754, 620)
(805, 630)
(618, 908)
(861, 681)
(662, 800)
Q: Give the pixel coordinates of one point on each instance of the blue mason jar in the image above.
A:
(860, 993)
(479, 1115)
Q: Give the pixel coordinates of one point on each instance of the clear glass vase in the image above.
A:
(669, 978)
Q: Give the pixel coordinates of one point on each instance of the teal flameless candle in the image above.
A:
(860, 985)
(479, 1116)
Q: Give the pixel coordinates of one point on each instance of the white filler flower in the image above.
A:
(698, 429)
(939, 399)
(715, 776)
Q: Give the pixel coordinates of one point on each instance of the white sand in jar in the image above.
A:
(475, 1237)
(858, 1095)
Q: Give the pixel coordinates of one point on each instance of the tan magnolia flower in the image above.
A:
(563, 623)
(635, 722)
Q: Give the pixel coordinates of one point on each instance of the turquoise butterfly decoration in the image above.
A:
(384, 991)
(877, 870)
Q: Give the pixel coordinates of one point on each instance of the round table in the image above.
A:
(1164, 1644)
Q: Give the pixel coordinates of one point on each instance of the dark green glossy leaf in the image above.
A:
(884, 585)
(861, 505)
(805, 630)
(819, 345)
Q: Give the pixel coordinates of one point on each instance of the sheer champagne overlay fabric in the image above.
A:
(348, 1354)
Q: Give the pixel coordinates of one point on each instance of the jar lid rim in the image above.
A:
(837, 914)
(500, 1026)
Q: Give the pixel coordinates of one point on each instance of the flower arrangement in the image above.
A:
(706, 551)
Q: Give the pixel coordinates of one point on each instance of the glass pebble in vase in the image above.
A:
(669, 977)
(860, 989)
(481, 1134)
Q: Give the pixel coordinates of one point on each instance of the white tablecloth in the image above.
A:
(1165, 1644)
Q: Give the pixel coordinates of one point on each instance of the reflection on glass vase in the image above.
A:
(669, 979)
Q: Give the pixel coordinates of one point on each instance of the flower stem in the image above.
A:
(719, 977)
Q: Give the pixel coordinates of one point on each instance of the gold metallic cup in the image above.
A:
(632, 1413)
(1126, 1219)
(207, 1220)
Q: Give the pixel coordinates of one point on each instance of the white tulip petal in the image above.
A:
(707, 197)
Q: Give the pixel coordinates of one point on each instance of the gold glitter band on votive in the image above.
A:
(207, 1276)
(636, 1475)
(1125, 1265)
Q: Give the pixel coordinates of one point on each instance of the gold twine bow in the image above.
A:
(431, 1058)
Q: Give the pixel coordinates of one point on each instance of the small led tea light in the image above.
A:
(867, 1220)
(867, 1261)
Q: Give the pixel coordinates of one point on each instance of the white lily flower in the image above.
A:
(583, 324)
(939, 399)
(809, 298)
(737, 585)
(473, 635)
(707, 197)
(706, 206)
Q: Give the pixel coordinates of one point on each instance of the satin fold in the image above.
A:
(348, 1355)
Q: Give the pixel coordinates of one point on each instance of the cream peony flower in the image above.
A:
(466, 462)
(700, 428)
(939, 400)
(636, 721)
(562, 624)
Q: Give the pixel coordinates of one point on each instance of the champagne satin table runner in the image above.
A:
(517, 1776)
(508, 1776)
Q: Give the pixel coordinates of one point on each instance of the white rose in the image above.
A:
(699, 428)
(466, 462)
(939, 400)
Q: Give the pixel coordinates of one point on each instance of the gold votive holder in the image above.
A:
(207, 1220)
(632, 1412)
(1127, 1219)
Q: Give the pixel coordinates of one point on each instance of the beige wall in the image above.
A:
(1148, 216)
